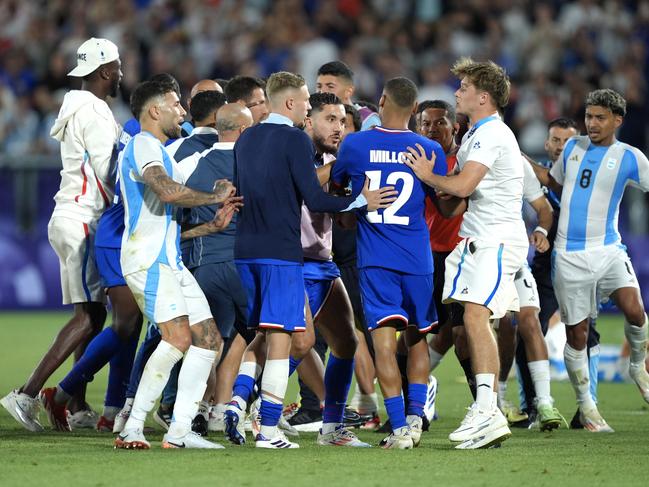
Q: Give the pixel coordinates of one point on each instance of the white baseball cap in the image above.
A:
(92, 54)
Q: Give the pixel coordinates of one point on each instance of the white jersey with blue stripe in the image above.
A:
(593, 179)
(151, 230)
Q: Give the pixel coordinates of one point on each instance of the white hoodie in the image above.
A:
(88, 133)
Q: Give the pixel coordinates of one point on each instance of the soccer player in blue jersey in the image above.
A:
(274, 172)
(394, 257)
(164, 289)
(590, 263)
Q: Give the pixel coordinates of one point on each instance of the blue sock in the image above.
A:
(416, 398)
(120, 371)
(396, 410)
(270, 413)
(243, 387)
(293, 364)
(593, 371)
(97, 354)
(149, 344)
(170, 390)
(337, 379)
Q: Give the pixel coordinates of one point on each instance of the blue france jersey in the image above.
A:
(395, 237)
(593, 179)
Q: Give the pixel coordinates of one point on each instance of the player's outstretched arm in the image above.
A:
(543, 175)
(221, 220)
(379, 198)
(324, 173)
(544, 211)
(169, 191)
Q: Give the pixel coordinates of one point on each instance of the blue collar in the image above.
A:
(482, 121)
(278, 119)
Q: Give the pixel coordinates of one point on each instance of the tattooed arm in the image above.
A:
(222, 219)
(169, 191)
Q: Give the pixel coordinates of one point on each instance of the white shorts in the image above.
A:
(163, 293)
(74, 244)
(483, 273)
(528, 295)
(585, 278)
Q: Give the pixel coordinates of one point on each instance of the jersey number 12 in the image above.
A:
(389, 215)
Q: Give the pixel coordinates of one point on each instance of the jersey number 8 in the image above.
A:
(389, 215)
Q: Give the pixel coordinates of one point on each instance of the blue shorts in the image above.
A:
(275, 294)
(318, 281)
(110, 270)
(388, 295)
(226, 296)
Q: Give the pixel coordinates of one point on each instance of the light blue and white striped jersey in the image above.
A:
(593, 179)
(151, 229)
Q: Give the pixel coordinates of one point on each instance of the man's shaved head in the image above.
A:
(232, 117)
(205, 85)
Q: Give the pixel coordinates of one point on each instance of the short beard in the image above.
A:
(173, 132)
(322, 147)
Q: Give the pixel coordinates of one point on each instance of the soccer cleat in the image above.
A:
(593, 421)
(431, 396)
(56, 413)
(122, 417)
(373, 423)
(86, 419)
(512, 413)
(307, 420)
(400, 440)
(277, 442)
(199, 425)
(233, 420)
(104, 425)
(132, 440)
(641, 378)
(481, 429)
(415, 423)
(287, 428)
(341, 436)
(548, 417)
(575, 422)
(290, 410)
(24, 409)
(352, 419)
(190, 440)
(215, 421)
(163, 416)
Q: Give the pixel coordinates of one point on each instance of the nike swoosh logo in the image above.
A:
(177, 445)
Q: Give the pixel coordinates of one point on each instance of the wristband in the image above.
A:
(542, 230)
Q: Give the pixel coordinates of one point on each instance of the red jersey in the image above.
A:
(443, 231)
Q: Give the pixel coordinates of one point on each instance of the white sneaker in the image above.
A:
(277, 442)
(233, 419)
(483, 430)
(215, 420)
(593, 421)
(341, 437)
(398, 440)
(287, 428)
(122, 416)
(132, 440)
(83, 419)
(640, 376)
(190, 440)
(24, 409)
(415, 423)
(431, 396)
(456, 436)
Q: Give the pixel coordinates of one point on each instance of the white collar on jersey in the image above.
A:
(204, 130)
(278, 119)
(223, 146)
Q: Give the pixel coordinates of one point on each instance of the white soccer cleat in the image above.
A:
(86, 419)
(215, 421)
(415, 423)
(24, 409)
(233, 418)
(398, 440)
(483, 429)
(341, 437)
(431, 397)
(277, 442)
(287, 428)
(593, 421)
(132, 440)
(190, 440)
(640, 376)
(122, 417)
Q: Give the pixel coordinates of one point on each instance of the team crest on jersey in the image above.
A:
(610, 164)
(476, 145)
(574, 158)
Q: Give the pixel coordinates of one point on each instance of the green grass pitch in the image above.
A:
(529, 458)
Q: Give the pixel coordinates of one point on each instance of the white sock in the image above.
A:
(368, 404)
(485, 391)
(355, 401)
(192, 382)
(218, 410)
(540, 372)
(502, 391)
(128, 404)
(204, 409)
(578, 371)
(637, 337)
(329, 427)
(154, 378)
(273, 388)
(434, 357)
